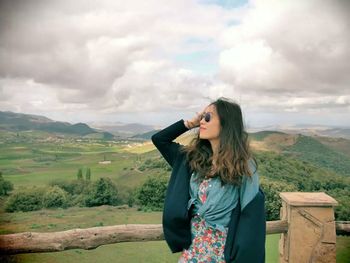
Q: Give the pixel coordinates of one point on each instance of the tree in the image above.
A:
(80, 174)
(152, 192)
(88, 174)
(5, 186)
(25, 200)
(272, 199)
(102, 192)
(75, 187)
(55, 197)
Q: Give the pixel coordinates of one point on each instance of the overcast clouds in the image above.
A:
(156, 61)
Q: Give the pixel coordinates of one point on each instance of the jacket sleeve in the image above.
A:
(251, 234)
(163, 140)
(247, 229)
(249, 241)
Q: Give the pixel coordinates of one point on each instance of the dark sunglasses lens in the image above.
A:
(207, 117)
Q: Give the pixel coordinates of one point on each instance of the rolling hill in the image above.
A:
(329, 153)
(332, 154)
(125, 130)
(311, 130)
(16, 122)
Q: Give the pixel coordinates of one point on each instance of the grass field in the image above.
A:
(154, 251)
(28, 164)
(64, 219)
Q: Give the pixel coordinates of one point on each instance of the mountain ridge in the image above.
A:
(16, 122)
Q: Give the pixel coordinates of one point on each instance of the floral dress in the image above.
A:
(208, 243)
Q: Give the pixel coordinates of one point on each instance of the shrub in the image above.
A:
(74, 187)
(80, 174)
(25, 200)
(156, 163)
(55, 197)
(152, 193)
(102, 192)
(88, 174)
(342, 211)
(131, 199)
(272, 199)
(127, 196)
(5, 186)
(77, 200)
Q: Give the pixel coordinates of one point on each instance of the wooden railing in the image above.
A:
(90, 238)
(307, 228)
(342, 228)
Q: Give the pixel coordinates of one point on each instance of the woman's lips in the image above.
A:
(201, 129)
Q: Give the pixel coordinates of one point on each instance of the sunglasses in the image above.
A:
(207, 116)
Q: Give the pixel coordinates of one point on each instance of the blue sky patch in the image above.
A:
(228, 4)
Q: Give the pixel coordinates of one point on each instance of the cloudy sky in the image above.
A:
(154, 62)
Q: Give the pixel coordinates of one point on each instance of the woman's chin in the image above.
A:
(202, 136)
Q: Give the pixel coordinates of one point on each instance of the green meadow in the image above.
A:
(64, 219)
(154, 251)
(28, 163)
(37, 158)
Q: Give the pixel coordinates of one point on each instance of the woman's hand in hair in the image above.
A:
(194, 122)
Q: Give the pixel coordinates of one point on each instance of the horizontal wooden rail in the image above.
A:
(275, 227)
(342, 227)
(90, 238)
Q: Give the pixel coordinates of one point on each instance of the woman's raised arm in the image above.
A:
(163, 140)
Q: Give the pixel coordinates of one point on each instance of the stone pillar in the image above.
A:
(311, 236)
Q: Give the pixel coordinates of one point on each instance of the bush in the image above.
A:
(342, 211)
(156, 163)
(102, 192)
(76, 200)
(27, 200)
(272, 199)
(131, 198)
(151, 194)
(55, 197)
(127, 196)
(80, 174)
(5, 186)
(88, 174)
(75, 187)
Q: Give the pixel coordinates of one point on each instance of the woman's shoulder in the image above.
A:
(253, 165)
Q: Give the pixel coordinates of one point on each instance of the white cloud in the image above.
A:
(83, 50)
(286, 49)
(157, 85)
(118, 57)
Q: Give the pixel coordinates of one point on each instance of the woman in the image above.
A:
(214, 208)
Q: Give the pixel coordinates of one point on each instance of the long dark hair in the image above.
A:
(234, 152)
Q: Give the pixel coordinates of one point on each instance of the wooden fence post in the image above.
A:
(311, 236)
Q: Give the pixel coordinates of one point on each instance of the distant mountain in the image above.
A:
(145, 136)
(335, 132)
(24, 122)
(123, 129)
(310, 130)
(261, 135)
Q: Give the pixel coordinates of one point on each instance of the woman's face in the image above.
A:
(210, 130)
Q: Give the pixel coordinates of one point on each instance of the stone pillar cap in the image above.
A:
(308, 199)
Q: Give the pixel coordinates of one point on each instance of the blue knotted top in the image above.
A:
(222, 199)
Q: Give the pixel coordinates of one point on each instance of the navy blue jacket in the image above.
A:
(245, 242)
